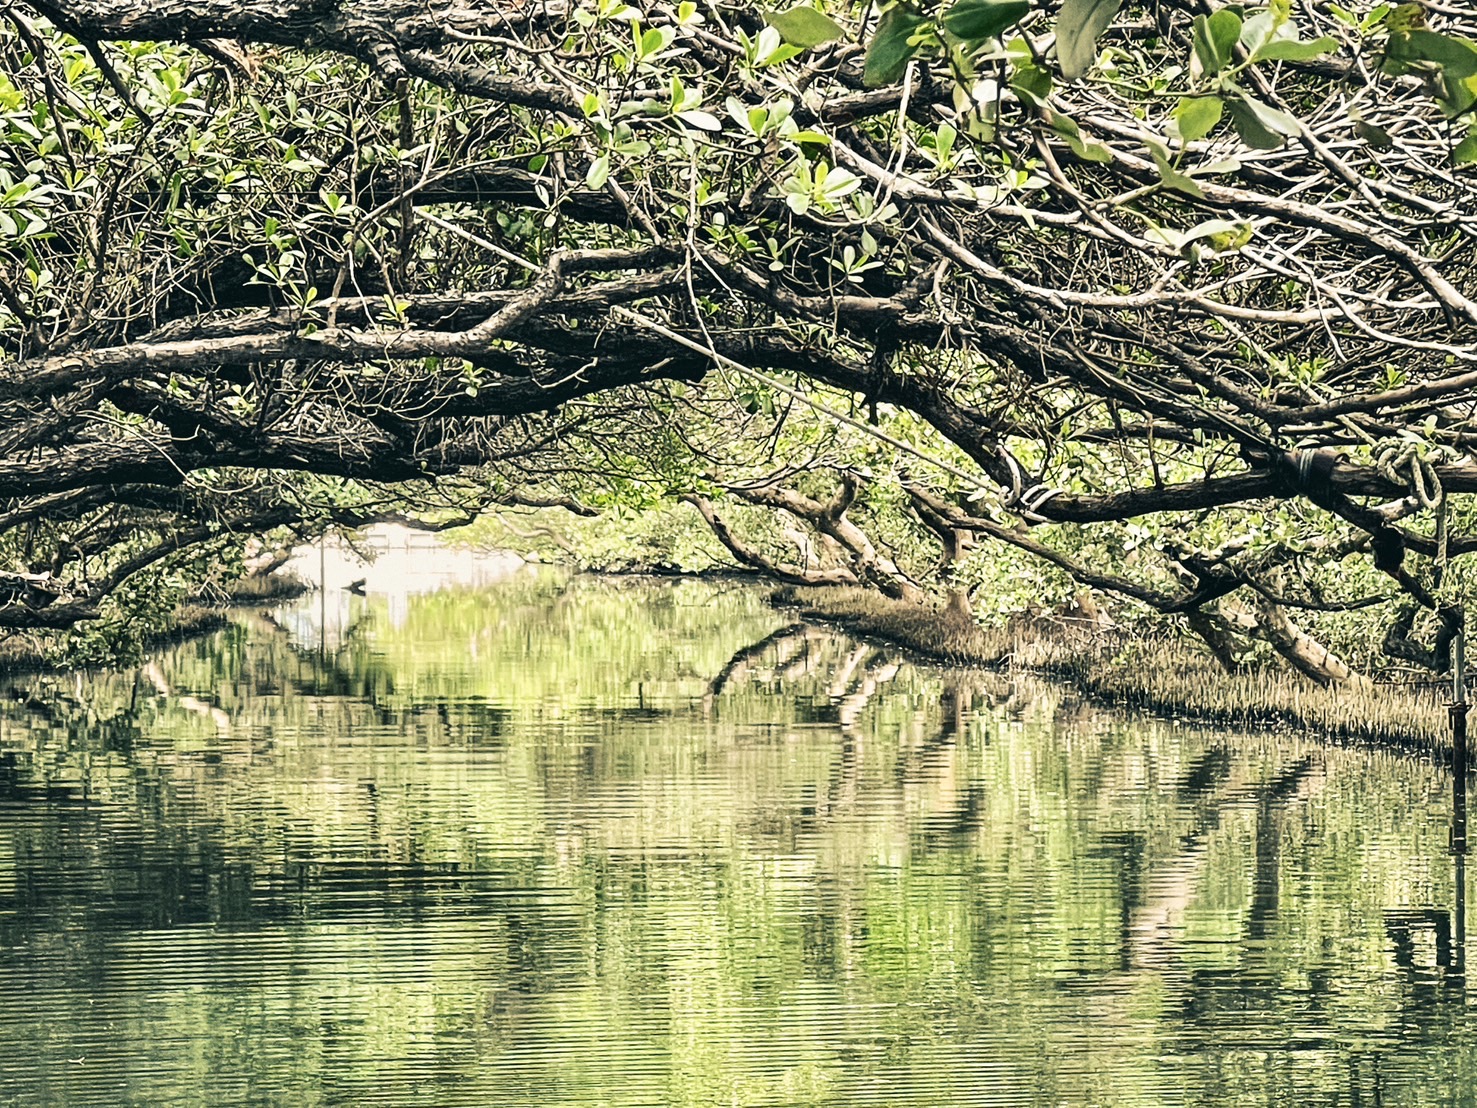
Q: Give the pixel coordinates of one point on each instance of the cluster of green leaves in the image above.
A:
(1446, 64)
(133, 617)
(625, 538)
(1228, 46)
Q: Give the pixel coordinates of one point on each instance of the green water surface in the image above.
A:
(577, 842)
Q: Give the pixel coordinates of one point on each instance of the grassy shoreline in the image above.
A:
(22, 654)
(1160, 676)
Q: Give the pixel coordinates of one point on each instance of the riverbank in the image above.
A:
(259, 589)
(28, 653)
(1161, 676)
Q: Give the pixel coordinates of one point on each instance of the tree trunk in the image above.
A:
(1215, 634)
(955, 544)
(1303, 652)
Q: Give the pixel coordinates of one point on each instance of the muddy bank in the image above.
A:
(1155, 674)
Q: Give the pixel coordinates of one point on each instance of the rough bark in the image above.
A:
(1304, 653)
(1212, 629)
(394, 37)
(954, 546)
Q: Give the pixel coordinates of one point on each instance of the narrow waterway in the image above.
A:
(560, 841)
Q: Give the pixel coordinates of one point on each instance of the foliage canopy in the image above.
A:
(1177, 298)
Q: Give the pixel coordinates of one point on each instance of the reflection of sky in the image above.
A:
(402, 563)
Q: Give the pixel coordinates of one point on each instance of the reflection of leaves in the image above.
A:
(1077, 31)
(890, 51)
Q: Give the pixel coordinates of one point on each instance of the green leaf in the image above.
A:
(1292, 50)
(1214, 38)
(1260, 125)
(1250, 128)
(1220, 235)
(1077, 31)
(1405, 18)
(1457, 57)
(1258, 30)
(703, 121)
(890, 51)
(1466, 150)
(598, 173)
(981, 19)
(1225, 30)
(1273, 119)
(1216, 168)
(805, 27)
(1196, 116)
(1172, 177)
(1084, 148)
(1032, 82)
(1459, 94)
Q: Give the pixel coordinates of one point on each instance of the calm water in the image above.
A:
(577, 843)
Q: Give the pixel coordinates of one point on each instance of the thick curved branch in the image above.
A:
(394, 37)
(830, 519)
(1097, 579)
(751, 556)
